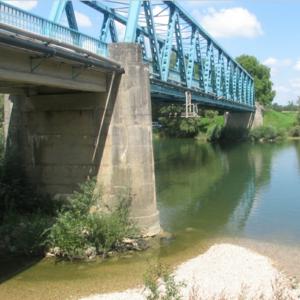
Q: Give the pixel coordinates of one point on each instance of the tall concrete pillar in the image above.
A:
(127, 164)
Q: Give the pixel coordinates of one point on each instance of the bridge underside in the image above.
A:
(171, 93)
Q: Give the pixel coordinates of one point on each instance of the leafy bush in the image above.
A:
(174, 125)
(23, 234)
(214, 133)
(211, 114)
(161, 284)
(79, 232)
(295, 131)
(266, 133)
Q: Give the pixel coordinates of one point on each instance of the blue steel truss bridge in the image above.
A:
(183, 58)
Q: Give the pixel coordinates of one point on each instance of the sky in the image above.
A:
(267, 29)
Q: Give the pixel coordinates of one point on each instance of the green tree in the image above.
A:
(298, 114)
(264, 93)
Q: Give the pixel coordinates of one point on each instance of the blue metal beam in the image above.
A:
(201, 69)
(57, 10)
(180, 53)
(156, 64)
(166, 53)
(71, 15)
(191, 60)
(132, 22)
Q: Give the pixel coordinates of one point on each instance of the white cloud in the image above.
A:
(83, 20)
(25, 4)
(297, 65)
(281, 88)
(232, 22)
(271, 61)
(275, 62)
(295, 83)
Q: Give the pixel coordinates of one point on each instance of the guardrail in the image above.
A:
(24, 20)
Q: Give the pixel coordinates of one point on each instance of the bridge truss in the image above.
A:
(182, 56)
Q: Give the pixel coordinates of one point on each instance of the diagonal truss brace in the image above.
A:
(57, 10)
(108, 25)
(180, 52)
(166, 52)
(152, 38)
(191, 60)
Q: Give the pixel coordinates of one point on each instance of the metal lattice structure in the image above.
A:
(182, 56)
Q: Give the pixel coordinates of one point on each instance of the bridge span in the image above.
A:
(79, 106)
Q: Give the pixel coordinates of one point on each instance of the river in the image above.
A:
(244, 193)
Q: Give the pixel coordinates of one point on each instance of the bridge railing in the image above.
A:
(24, 20)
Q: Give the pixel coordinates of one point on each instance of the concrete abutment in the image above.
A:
(244, 120)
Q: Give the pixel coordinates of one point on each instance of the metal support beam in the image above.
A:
(166, 53)
(152, 38)
(71, 15)
(132, 22)
(180, 53)
(57, 10)
(191, 60)
(201, 69)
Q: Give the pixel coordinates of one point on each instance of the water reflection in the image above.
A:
(214, 190)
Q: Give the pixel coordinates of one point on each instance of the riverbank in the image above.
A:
(225, 271)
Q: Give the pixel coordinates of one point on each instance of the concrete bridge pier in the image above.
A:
(244, 120)
(127, 164)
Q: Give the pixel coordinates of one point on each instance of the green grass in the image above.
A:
(280, 120)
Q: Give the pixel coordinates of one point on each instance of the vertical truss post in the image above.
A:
(245, 89)
(207, 70)
(152, 38)
(252, 93)
(234, 82)
(180, 52)
(104, 28)
(166, 53)
(200, 63)
(132, 22)
(191, 60)
(212, 80)
(141, 40)
(113, 31)
(219, 68)
(227, 79)
(240, 86)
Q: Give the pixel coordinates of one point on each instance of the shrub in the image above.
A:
(80, 233)
(211, 114)
(23, 235)
(214, 133)
(295, 131)
(161, 284)
(175, 125)
(266, 133)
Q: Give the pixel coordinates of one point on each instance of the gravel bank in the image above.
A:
(225, 271)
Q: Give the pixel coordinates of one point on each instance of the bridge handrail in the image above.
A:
(22, 19)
